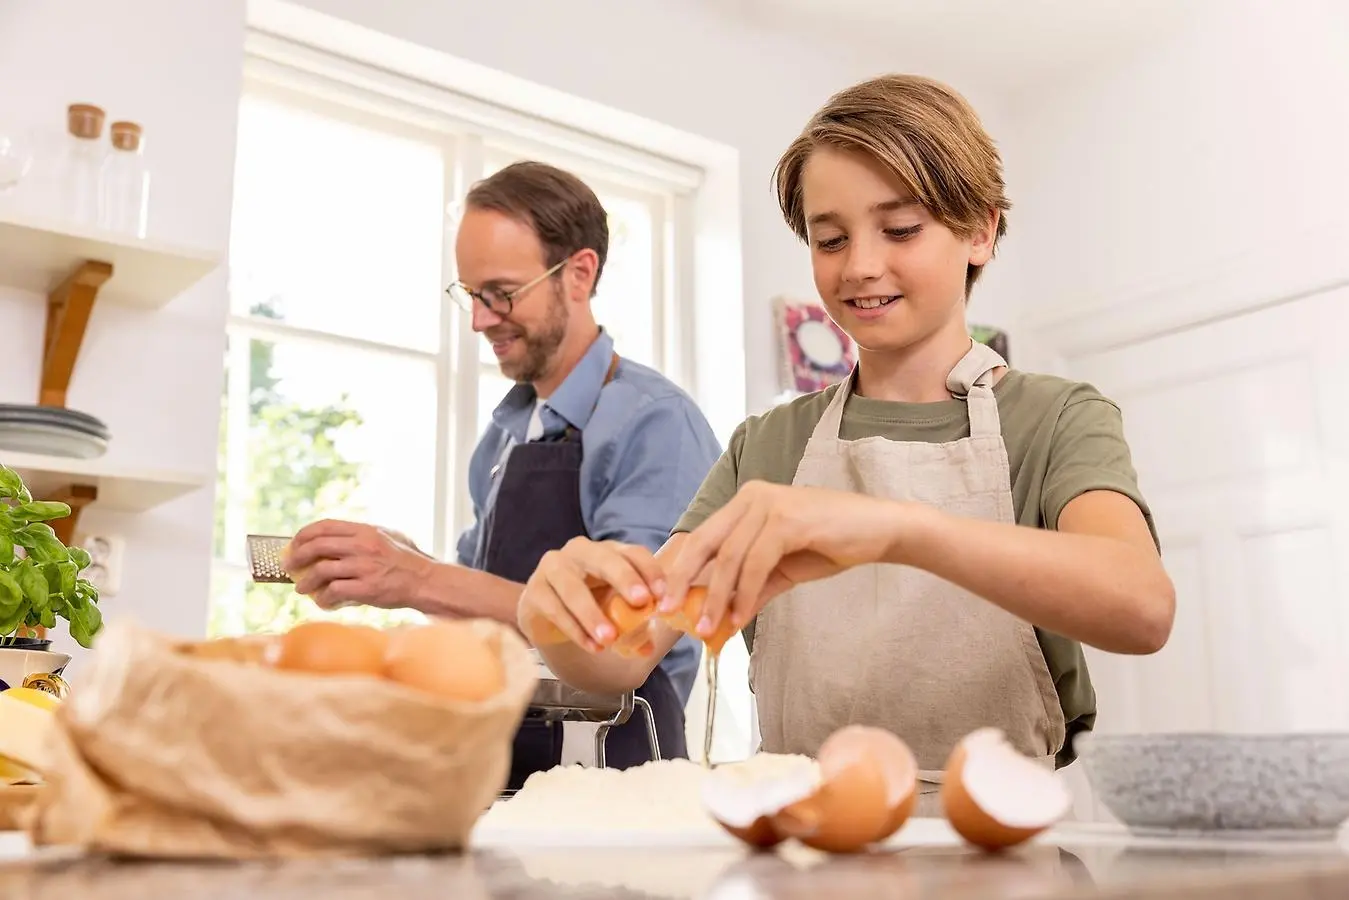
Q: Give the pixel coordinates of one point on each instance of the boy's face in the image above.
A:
(890, 274)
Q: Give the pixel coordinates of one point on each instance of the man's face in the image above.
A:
(495, 251)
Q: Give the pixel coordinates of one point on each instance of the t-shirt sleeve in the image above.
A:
(718, 487)
(1090, 453)
(667, 450)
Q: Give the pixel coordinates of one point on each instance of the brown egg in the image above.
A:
(868, 788)
(447, 659)
(328, 648)
(994, 797)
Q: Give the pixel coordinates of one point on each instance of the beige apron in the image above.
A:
(894, 646)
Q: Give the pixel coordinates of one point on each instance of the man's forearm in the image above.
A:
(460, 592)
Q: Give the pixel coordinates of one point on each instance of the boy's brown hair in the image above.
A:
(925, 133)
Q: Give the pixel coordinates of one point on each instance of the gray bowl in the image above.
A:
(1221, 782)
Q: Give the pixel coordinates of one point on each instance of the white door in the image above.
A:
(1240, 433)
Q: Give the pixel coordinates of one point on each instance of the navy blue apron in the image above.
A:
(537, 509)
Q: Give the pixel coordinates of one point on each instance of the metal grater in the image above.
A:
(264, 558)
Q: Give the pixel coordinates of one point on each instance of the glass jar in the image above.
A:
(124, 199)
(16, 158)
(80, 165)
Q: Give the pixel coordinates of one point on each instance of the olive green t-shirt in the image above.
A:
(1063, 438)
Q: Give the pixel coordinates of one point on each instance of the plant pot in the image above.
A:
(17, 663)
(25, 643)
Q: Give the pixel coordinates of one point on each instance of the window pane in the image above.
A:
(492, 389)
(625, 302)
(337, 227)
(485, 354)
(332, 432)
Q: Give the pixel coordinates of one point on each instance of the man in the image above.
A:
(585, 445)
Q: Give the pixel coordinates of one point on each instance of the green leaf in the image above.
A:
(47, 618)
(11, 485)
(52, 573)
(41, 543)
(34, 586)
(85, 623)
(10, 620)
(80, 557)
(69, 574)
(6, 549)
(11, 595)
(40, 511)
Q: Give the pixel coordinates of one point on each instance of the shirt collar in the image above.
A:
(574, 399)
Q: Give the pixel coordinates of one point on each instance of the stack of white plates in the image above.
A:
(51, 430)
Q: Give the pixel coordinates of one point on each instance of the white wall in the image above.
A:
(154, 377)
(1221, 149)
(1182, 229)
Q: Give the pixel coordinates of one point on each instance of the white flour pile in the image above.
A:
(658, 796)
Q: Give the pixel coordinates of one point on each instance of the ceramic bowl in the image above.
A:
(16, 665)
(1221, 782)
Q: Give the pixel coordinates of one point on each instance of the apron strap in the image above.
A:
(975, 368)
(971, 380)
(827, 429)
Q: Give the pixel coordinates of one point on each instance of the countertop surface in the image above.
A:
(925, 860)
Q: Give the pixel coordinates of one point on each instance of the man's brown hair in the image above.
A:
(561, 209)
(925, 133)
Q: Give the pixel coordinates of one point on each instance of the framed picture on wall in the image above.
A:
(993, 337)
(815, 352)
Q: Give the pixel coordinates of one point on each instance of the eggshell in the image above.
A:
(995, 797)
(868, 789)
(328, 648)
(686, 620)
(444, 658)
(629, 620)
(742, 799)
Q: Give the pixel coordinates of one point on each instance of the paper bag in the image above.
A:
(169, 749)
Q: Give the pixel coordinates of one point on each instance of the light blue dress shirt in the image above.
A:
(646, 449)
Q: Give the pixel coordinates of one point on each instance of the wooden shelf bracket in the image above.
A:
(68, 310)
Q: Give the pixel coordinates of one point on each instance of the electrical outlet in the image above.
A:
(105, 561)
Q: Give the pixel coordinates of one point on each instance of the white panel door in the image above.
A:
(1238, 430)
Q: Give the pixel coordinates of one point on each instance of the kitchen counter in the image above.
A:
(924, 861)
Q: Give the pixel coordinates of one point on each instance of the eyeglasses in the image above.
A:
(498, 301)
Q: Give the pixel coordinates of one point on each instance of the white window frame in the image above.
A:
(467, 130)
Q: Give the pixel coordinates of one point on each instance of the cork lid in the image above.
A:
(84, 120)
(126, 135)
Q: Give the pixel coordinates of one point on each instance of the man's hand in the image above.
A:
(340, 564)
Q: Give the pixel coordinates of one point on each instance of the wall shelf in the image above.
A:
(38, 254)
(74, 267)
(119, 488)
